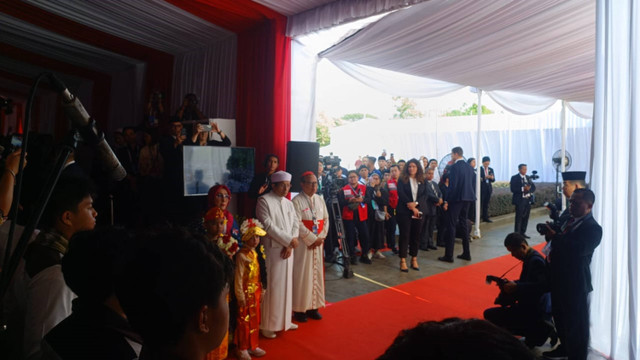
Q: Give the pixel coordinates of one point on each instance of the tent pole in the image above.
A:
(564, 147)
(476, 233)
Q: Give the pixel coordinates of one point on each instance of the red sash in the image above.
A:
(309, 225)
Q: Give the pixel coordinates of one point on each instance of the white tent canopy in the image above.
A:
(544, 48)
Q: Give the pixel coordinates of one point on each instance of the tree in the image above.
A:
(469, 110)
(322, 134)
(405, 108)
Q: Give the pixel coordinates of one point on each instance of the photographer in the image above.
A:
(202, 134)
(524, 303)
(522, 188)
(354, 199)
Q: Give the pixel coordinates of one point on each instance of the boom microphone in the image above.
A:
(88, 130)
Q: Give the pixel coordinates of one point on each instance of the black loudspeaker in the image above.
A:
(302, 156)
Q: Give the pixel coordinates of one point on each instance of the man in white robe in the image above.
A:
(279, 218)
(308, 274)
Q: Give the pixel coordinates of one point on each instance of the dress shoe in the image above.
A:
(526, 236)
(424, 248)
(257, 352)
(365, 260)
(354, 260)
(299, 317)
(379, 255)
(314, 314)
(487, 220)
(403, 266)
(440, 244)
(557, 354)
(293, 326)
(414, 264)
(445, 259)
(432, 247)
(268, 334)
(464, 257)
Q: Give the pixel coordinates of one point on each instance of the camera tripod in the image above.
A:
(336, 219)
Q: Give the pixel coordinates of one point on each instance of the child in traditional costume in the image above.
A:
(248, 290)
(214, 222)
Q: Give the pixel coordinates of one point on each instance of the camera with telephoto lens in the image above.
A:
(554, 215)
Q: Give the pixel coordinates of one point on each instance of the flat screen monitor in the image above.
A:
(206, 166)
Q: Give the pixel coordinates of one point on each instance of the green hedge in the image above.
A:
(500, 202)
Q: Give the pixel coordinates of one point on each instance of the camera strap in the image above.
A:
(506, 272)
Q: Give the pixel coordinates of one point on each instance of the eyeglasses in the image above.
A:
(223, 196)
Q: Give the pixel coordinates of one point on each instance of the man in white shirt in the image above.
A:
(48, 299)
(279, 218)
(308, 271)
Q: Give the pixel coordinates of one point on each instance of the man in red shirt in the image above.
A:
(353, 199)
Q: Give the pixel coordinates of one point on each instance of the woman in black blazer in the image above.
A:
(412, 196)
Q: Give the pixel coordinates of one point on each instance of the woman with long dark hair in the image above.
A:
(412, 196)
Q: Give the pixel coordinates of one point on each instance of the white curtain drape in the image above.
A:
(401, 84)
(508, 139)
(210, 73)
(615, 303)
(397, 83)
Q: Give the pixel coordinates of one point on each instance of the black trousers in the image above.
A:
(522, 216)
(521, 322)
(410, 230)
(485, 196)
(571, 317)
(442, 227)
(390, 228)
(457, 210)
(350, 227)
(376, 232)
(428, 226)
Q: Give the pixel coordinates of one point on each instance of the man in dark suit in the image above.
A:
(522, 188)
(569, 261)
(434, 200)
(525, 303)
(460, 195)
(486, 188)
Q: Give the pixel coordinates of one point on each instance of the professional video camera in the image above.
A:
(534, 175)
(503, 298)
(333, 183)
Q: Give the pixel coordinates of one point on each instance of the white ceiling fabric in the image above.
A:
(322, 16)
(544, 48)
(153, 23)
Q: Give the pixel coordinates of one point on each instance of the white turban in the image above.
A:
(280, 176)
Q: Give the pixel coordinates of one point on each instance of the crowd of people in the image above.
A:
(411, 196)
(145, 290)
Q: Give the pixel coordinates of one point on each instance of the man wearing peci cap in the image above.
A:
(571, 181)
(308, 265)
(279, 218)
(486, 187)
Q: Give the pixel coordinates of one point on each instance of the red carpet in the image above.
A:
(364, 326)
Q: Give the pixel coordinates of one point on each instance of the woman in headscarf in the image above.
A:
(219, 196)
